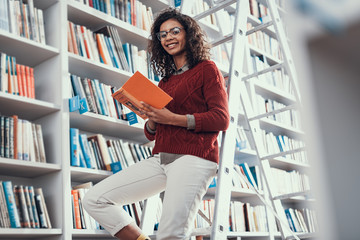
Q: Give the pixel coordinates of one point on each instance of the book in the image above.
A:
(39, 196)
(11, 205)
(139, 88)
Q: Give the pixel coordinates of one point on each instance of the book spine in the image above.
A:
(11, 205)
(74, 139)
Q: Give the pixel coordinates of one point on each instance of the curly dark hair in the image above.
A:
(197, 48)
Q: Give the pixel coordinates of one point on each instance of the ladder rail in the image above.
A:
(227, 153)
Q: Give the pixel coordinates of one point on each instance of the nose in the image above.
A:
(168, 35)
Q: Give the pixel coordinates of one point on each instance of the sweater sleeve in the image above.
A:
(216, 118)
(149, 135)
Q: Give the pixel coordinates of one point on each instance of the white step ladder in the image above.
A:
(238, 95)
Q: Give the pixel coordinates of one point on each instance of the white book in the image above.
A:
(41, 26)
(20, 139)
(40, 139)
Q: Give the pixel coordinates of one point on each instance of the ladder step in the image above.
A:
(214, 9)
(229, 37)
(290, 195)
(222, 40)
(259, 27)
(264, 115)
(266, 70)
(281, 154)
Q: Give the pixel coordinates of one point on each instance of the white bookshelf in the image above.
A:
(52, 63)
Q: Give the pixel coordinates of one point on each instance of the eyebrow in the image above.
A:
(169, 29)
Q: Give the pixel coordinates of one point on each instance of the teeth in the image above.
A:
(171, 45)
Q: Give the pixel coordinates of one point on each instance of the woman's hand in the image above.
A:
(163, 116)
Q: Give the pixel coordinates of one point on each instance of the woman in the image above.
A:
(186, 153)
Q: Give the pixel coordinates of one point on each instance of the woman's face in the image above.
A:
(173, 38)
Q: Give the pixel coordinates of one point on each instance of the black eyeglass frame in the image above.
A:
(167, 32)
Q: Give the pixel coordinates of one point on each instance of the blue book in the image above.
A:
(115, 167)
(100, 97)
(290, 220)
(278, 139)
(11, 205)
(33, 206)
(74, 148)
(81, 157)
(102, 7)
(84, 144)
(96, 4)
(127, 51)
(129, 12)
(112, 7)
(106, 105)
(110, 44)
(248, 174)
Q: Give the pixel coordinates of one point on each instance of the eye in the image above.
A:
(162, 34)
(175, 31)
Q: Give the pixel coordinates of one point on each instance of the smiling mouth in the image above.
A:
(171, 45)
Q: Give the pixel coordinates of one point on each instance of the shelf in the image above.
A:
(280, 128)
(303, 236)
(79, 174)
(29, 233)
(273, 92)
(94, 19)
(44, 4)
(26, 51)
(108, 126)
(156, 5)
(299, 200)
(25, 108)
(248, 234)
(288, 164)
(270, 59)
(291, 195)
(21, 168)
(245, 153)
(91, 234)
(79, 66)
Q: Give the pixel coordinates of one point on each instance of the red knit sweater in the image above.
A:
(199, 91)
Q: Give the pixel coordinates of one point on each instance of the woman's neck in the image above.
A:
(179, 61)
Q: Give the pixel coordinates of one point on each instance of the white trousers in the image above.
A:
(185, 182)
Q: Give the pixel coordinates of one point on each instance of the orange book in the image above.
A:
(101, 48)
(139, 88)
(28, 81)
(32, 83)
(75, 194)
(133, 12)
(73, 38)
(23, 81)
(85, 42)
(19, 76)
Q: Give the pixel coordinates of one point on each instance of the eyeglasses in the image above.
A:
(173, 32)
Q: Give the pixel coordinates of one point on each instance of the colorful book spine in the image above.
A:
(11, 205)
